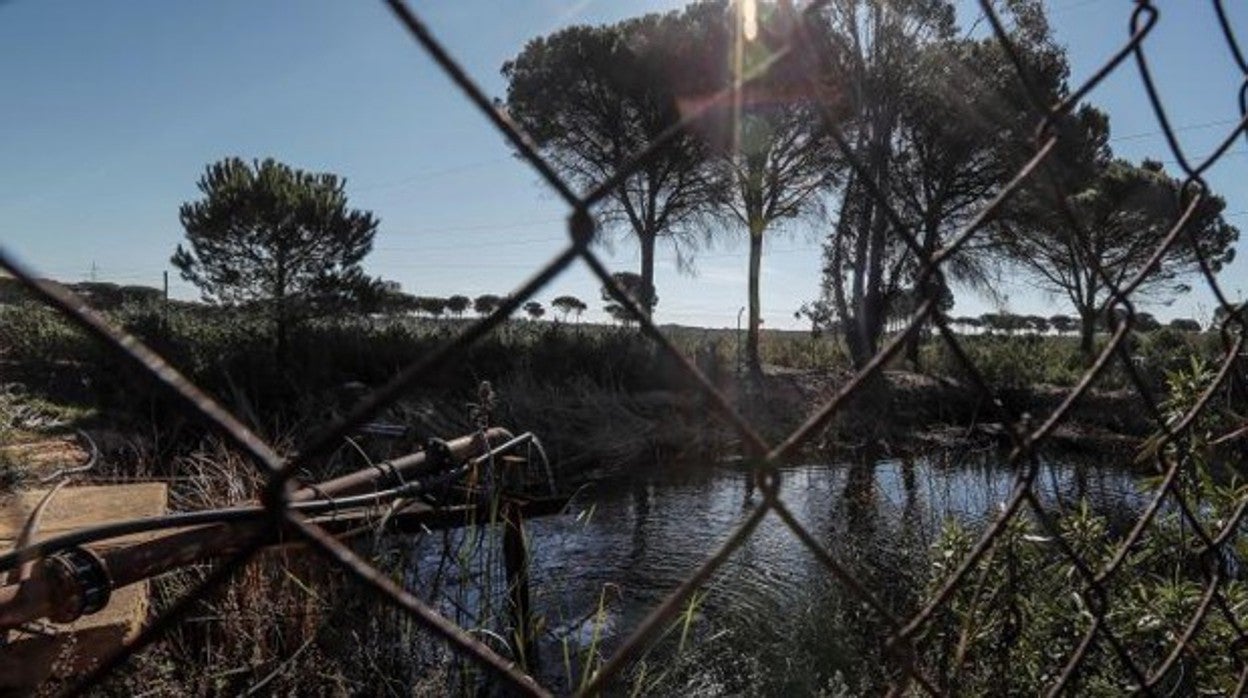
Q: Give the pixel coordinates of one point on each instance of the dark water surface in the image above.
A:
(768, 623)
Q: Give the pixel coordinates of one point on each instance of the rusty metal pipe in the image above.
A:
(366, 480)
(55, 594)
(52, 593)
(151, 558)
(248, 513)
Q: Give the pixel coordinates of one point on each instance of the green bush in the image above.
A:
(1010, 362)
(231, 354)
(1024, 608)
(31, 332)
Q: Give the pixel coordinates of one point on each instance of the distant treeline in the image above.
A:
(102, 295)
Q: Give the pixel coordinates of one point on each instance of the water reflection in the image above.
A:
(774, 620)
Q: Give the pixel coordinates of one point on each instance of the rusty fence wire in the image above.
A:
(1026, 434)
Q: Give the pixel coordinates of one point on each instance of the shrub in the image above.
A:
(1021, 614)
(1011, 362)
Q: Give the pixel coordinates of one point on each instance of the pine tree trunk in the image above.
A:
(1087, 333)
(647, 241)
(280, 319)
(753, 359)
(860, 344)
(913, 344)
(928, 291)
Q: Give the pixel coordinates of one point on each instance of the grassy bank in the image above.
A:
(601, 397)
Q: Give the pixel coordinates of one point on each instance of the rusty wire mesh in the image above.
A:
(1025, 434)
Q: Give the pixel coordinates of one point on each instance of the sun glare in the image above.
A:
(749, 19)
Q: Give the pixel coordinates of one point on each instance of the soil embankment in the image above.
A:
(591, 430)
(914, 410)
(901, 411)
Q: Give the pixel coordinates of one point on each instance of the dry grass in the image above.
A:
(260, 633)
(288, 623)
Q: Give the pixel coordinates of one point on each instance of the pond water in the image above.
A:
(766, 623)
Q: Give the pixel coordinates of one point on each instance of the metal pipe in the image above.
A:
(55, 592)
(52, 592)
(398, 469)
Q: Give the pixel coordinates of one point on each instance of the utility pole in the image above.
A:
(739, 360)
(165, 307)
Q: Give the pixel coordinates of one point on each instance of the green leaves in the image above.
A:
(266, 233)
(1114, 217)
(599, 101)
(1147, 603)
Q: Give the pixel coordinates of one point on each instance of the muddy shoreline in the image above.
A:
(591, 436)
(591, 431)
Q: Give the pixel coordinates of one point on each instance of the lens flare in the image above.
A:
(749, 19)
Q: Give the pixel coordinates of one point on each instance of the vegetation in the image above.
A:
(863, 112)
(1104, 234)
(569, 305)
(225, 351)
(637, 291)
(457, 304)
(1185, 325)
(769, 144)
(429, 306)
(860, 120)
(535, 310)
(269, 234)
(1028, 605)
(596, 99)
(486, 304)
(925, 157)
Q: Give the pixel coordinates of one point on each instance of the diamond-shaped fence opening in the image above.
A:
(973, 615)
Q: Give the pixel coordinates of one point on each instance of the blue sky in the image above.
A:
(110, 111)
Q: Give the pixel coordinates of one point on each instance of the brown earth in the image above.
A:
(39, 456)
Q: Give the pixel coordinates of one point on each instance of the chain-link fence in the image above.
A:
(1095, 633)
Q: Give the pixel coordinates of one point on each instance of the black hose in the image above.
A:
(73, 539)
(95, 534)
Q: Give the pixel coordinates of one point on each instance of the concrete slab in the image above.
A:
(62, 651)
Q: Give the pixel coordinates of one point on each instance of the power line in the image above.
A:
(430, 174)
(1177, 129)
(473, 227)
(481, 245)
(980, 17)
(1072, 6)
